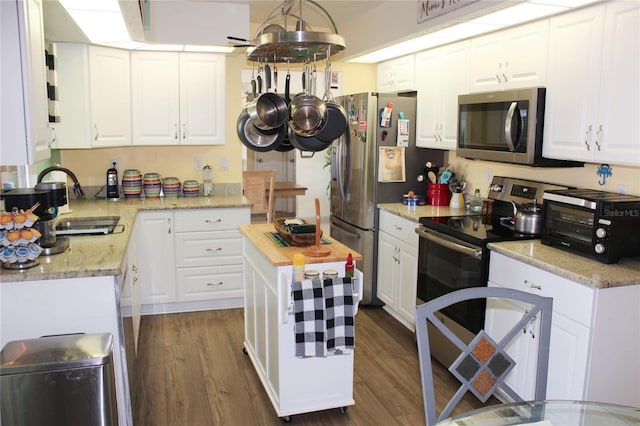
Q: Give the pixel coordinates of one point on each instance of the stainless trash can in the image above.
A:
(58, 380)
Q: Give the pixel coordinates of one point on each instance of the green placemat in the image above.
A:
(280, 242)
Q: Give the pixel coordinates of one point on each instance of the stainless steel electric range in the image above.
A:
(453, 254)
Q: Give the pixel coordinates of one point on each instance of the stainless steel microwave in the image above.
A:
(504, 126)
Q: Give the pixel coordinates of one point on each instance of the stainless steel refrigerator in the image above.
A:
(356, 175)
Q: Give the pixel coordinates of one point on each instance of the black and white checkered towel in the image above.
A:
(338, 298)
(310, 326)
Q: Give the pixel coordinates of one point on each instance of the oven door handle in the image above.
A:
(445, 241)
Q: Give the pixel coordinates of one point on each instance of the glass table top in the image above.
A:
(548, 413)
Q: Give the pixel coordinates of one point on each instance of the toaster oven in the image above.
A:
(602, 225)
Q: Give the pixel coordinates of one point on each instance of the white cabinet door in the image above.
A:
(74, 130)
(572, 90)
(178, 98)
(24, 131)
(568, 367)
(396, 75)
(386, 268)
(444, 74)
(155, 98)
(510, 59)
(156, 257)
(592, 93)
(398, 267)
(407, 280)
(619, 100)
(110, 83)
(202, 99)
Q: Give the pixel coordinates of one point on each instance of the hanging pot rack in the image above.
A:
(275, 43)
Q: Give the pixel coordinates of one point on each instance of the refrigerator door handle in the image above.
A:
(346, 231)
(347, 178)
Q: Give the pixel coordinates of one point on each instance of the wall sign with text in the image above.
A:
(428, 9)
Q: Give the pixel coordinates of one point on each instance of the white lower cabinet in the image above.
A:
(190, 259)
(595, 335)
(156, 256)
(398, 267)
(68, 305)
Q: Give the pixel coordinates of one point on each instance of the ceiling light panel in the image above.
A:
(100, 20)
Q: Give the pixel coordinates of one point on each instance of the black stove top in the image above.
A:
(504, 192)
(477, 230)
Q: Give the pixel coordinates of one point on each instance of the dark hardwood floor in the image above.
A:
(191, 371)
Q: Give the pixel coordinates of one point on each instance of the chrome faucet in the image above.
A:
(77, 189)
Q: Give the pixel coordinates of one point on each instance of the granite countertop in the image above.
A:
(402, 210)
(572, 266)
(282, 256)
(568, 265)
(100, 255)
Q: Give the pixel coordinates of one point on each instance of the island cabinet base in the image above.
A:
(294, 385)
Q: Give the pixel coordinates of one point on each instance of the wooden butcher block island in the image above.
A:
(295, 385)
(280, 256)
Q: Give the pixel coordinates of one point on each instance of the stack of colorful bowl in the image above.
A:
(151, 184)
(132, 183)
(191, 188)
(171, 186)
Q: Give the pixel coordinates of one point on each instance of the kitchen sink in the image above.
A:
(89, 225)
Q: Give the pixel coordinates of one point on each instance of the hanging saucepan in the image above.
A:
(336, 122)
(256, 139)
(307, 143)
(286, 145)
(269, 110)
(308, 112)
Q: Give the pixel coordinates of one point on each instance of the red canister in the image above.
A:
(438, 194)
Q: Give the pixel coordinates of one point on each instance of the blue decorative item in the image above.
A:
(604, 171)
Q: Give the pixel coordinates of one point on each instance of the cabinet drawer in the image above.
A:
(571, 299)
(208, 248)
(399, 227)
(211, 219)
(221, 282)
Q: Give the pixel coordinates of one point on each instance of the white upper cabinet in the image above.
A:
(592, 105)
(510, 59)
(396, 75)
(178, 98)
(24, 131)
(95, 101)
(110, 83)
(441, 75)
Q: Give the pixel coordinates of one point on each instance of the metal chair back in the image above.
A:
(483, 364)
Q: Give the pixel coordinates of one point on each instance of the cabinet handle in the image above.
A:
(95, 127)
(504, 75)
(398, 227)
(175, 131)
(184, 131)
(219, 283)
(530, 284)
(169, 226)
(214, 249)
(213, 220)
(587, 135)
(598, 136)
(53, 136)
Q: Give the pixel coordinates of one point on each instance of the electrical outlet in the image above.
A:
(489, 176)
(623, 189)
(197, 163)
(224, 164)
(112, 162)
